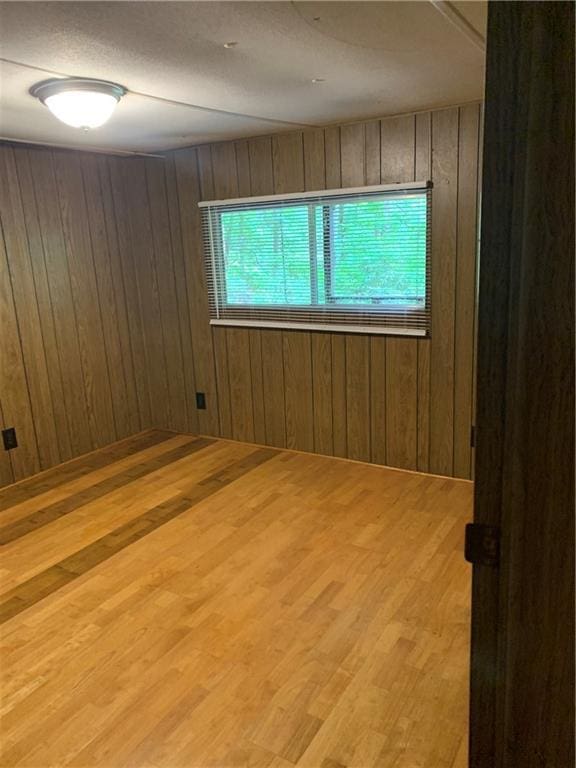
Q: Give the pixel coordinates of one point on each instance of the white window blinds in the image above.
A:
(352, 259)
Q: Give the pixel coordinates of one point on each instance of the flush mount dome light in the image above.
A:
(79, 101)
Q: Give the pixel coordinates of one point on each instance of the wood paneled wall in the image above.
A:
(104, 312)
(398, 401)
(94, 320)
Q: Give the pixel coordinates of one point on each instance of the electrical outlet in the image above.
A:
(200, 401)
(9, 438)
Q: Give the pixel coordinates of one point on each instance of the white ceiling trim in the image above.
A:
(83, 148)
(447, 10)
(201, 107)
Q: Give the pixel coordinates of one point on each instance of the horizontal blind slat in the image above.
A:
(348, 260)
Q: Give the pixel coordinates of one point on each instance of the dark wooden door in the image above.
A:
(522, 674)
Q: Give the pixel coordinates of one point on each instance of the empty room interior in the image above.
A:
(241, 384)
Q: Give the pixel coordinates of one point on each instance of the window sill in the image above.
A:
(380, 330)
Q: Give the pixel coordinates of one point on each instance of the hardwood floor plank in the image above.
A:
(51, 512)
(238, 607)
(76, 565)
(51, 478)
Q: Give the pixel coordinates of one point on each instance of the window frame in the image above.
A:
(330, 316)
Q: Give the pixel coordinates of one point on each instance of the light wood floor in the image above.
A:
(174, 601)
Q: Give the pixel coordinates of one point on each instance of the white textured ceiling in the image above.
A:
(377, 58)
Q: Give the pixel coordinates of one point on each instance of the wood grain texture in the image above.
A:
(523, 611)
(118, 169)
(378, 399)
(45, 314)
(401, 403)
(181, 281)
(96, 322)
(444, 253)
(388, 150)
(189, 194)
(423, 171)
(223, 605)
(86, 299)
(288, 159)
(257, 377)
(273, 387)
(16, 407)
(123, 422)
(323, 409)
(240, 382)
(398, 164)
(6, 471)
(298, 392)
(115, 244)
(26, 309)
(358, 397)
(465, 286)
(339, 395)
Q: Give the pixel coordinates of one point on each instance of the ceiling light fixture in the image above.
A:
(81, 102)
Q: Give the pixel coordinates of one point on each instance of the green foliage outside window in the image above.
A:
(355, 252)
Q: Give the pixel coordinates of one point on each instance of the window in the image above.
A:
(354, 260)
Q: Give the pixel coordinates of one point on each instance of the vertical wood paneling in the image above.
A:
(377, 343)
(358, 396)
(397, 166)
(6, 472)
(142, 246)
(256, 376)
(401, 403)
(16, 407)
(423, 172)
(378, 399)
(373, 152)
(397, 149)
(94, 288)
(261, 183)
(465, 287)
(261, 167)
(339, 399)
(133, 415)
(220, 341)
(314, 160)
(333, 162)
(288, 159)
(221, 183)
(60, 288)
(332, 155)
(26, 306)
(45, 314)
(240, 384)
(119, 321)
(164, 274)
(320, 343)
(298, 390)
(85, 297)
(444, 225)
(118, 169)
(243, 168)
(181, 294)
(273, 386)
(476, 289)
(104, 280)
(352, 155)
(353, 170)
(321, 349)
(189, 194)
